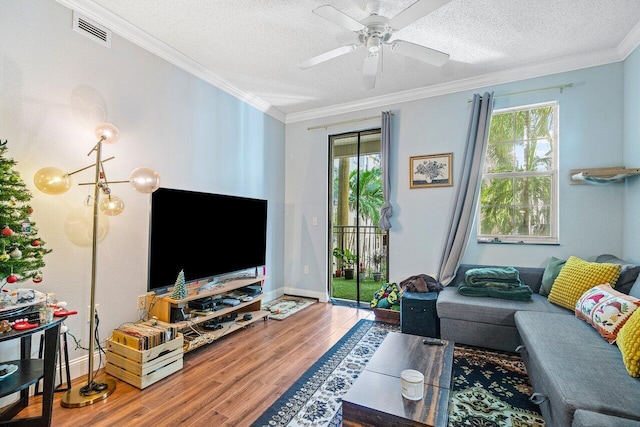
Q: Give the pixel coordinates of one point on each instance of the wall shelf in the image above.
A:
(600, 176)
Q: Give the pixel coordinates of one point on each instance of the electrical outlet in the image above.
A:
(306, 269)
(142, 302)
(89, 312)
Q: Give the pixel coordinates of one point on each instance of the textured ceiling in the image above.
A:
(254, 46)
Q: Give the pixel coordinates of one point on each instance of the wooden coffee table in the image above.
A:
(376, 396)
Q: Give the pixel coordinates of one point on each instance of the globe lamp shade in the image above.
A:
(107, 132)
(52, 180)
(144, 180)
(111, 205)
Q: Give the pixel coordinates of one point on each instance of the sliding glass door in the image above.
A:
(358, 248)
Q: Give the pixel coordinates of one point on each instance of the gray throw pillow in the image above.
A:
(628, 274)
(551, 271)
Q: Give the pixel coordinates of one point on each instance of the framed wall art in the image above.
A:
(432, 170)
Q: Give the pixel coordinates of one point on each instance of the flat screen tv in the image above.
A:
(206, 235)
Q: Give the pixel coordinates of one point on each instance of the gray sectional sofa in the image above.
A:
(579, 379)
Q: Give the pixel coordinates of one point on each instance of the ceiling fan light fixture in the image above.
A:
(376, 30)
(373, 44)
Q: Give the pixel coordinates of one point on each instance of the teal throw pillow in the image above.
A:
(635, 289)
(550, 273)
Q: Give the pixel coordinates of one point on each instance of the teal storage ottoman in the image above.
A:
(418, 314)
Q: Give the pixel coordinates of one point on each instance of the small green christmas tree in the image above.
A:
(179, 289)
(21, 250)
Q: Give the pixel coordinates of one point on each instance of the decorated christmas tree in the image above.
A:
(21, 250)
(179, 289)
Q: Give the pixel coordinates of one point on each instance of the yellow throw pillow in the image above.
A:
(629, 344)
(578, 276)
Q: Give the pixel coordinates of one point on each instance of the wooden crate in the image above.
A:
(386, 315)
(143, 368)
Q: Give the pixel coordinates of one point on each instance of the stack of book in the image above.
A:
(144, 335)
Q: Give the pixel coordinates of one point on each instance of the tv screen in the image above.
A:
(206, 235)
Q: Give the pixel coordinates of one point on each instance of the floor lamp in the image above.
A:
(51, 180)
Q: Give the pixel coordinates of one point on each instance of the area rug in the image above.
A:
(315, 399)
(490, 388)
(286, 305)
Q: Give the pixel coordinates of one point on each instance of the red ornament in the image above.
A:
(35, 243)
(6, 231)
(12, 278)
(30, 210)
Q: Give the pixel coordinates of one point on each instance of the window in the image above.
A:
(519, 196)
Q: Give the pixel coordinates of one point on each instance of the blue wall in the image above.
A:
(56, 85)
(591, 217)
(631, 152)
(590, 136)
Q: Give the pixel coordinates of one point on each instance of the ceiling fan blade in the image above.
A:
(421, 53)
(328, 55)
(414, 12)
(338, 17)
(370, 70)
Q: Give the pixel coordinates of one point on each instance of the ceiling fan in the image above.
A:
(374, 32)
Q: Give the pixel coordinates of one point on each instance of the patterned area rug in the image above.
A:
(490, 388)
(286, 305)
(315, 399)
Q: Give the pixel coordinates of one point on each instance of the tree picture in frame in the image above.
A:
(432, 170)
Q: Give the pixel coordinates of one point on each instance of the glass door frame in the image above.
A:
(365, 259)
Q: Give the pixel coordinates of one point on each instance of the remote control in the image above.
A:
(432, 341)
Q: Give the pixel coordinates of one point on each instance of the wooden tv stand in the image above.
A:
(160, 306)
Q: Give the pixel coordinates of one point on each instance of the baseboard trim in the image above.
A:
(320, 296)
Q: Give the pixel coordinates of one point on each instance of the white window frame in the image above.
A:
(553, 238)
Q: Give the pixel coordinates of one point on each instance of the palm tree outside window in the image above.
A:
(519, 191)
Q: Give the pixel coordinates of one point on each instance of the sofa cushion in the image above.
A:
(575, 368)
(551, 271)
(493, 311)
(628, 274)
(582, 418)
(606, 309)
(577, 276)
(629, 344)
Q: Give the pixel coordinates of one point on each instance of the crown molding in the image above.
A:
(166, 52)
(474, 83)
(155, 46)
(630, 42)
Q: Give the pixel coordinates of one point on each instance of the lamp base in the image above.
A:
(87, 394)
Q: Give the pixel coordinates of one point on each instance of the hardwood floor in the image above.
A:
(226, 383)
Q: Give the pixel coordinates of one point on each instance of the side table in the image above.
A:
(63, 357)
(30, 371)
(418, 314)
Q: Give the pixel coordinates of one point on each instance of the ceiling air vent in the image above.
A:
(91, 29)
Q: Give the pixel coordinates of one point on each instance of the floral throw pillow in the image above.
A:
(606, 309)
